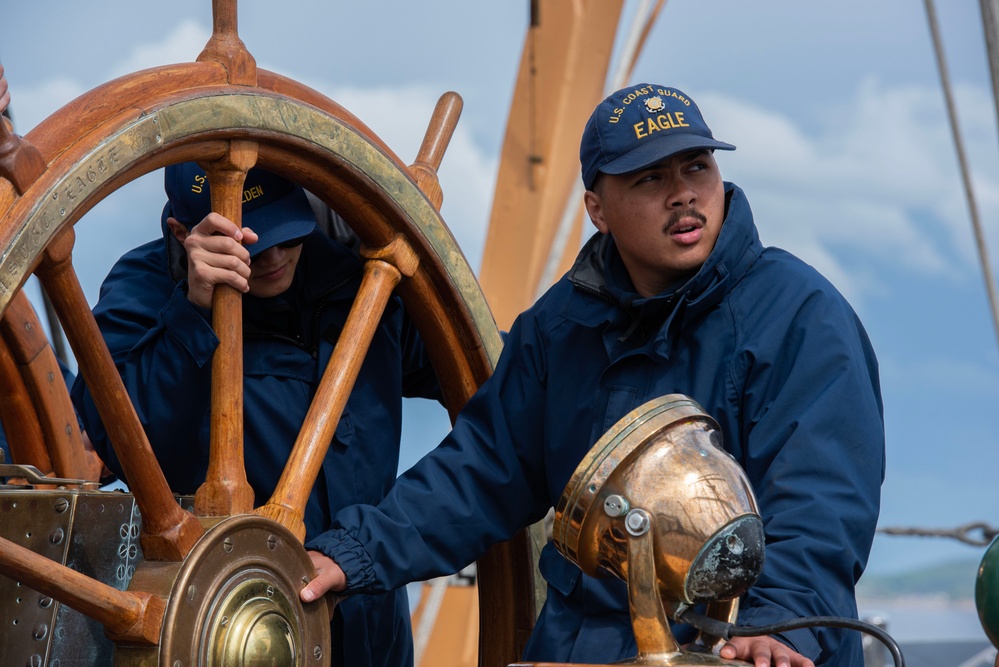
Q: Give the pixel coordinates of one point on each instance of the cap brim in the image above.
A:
(296, 216)
(658, 149)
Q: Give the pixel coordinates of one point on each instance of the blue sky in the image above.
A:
(843, 149)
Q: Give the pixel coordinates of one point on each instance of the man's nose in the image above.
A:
(681, 195)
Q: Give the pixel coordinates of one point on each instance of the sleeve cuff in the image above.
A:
(348, 553)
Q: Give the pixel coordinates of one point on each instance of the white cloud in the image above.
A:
(180, 45)
(876, 177)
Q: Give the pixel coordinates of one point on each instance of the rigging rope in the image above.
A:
(964, 533)
(983, 255)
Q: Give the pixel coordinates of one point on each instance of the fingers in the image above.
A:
(763, 652)
(329, 577)
(216, 256)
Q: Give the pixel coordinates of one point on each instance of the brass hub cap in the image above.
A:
(235, 601)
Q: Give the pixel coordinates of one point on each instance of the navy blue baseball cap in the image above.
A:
(273, 207)
(640, 126)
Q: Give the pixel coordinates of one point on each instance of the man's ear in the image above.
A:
(178, 230)
(595, 209)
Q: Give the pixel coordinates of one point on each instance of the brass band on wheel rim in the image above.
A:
(144, 144)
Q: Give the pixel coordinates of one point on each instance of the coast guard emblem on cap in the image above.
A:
(654, 104)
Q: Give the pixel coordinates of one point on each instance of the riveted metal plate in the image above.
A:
(40, 521)
(93, 532)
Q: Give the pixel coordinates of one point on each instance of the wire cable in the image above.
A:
(726, 630)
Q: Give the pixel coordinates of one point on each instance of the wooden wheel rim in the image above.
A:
(116, 133)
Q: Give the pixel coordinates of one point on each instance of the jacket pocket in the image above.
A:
(560, 574)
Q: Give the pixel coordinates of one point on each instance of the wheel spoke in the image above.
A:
(20, 161)
(20, 421)
(42, 376)
(226, 491)
(168, 532)
(382, 272)
(128, 617)
(435, 142)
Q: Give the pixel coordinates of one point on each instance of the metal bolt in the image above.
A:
(615, 505)
(44, 602)
(224, 621)
(192, 592)
(270, 591)
(35, 661)
(227, 544)
(61, 505)
(41, 631)
(272, 542)
(57, 536)
(317, 653)
(51, 376)
(637, 522)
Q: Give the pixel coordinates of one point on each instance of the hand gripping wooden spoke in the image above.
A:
(226, 490)
(230, 562)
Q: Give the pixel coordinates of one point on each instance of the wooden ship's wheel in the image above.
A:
(215, 582)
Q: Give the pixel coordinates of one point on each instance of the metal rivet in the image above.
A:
(616, 505)
(637, 522)
(51, 376)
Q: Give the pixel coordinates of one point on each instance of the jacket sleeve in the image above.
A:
(812, 444)
(162, 346)
(482, 484)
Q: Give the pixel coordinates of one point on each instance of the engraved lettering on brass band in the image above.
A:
(66, 195)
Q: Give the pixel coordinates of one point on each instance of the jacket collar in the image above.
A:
(598, 272)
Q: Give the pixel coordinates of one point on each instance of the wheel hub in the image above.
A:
(234, 602)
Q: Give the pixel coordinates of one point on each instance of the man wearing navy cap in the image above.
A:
(674, 294)
(298, 284)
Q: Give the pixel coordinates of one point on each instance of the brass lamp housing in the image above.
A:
(660, 504)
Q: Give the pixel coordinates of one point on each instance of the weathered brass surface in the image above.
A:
(658, 503)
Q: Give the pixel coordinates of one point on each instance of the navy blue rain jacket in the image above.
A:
(763, 342)
(162, 345)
